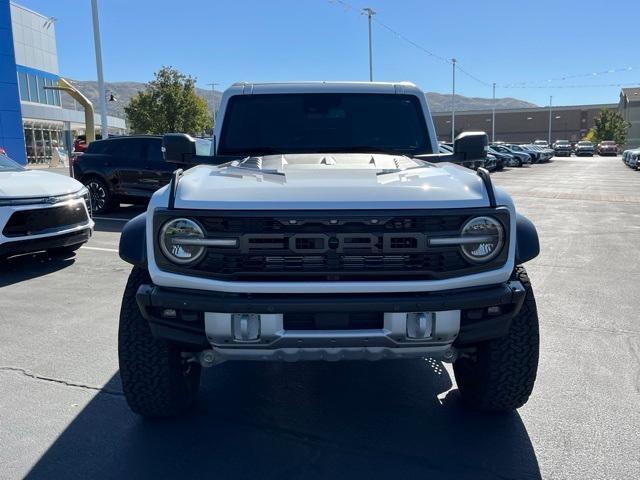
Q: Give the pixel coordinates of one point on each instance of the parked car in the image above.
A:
(522, 157)
(545, 153)
(505, 159)
(80, 143)
(316, 249)
(41, 210)
(541, 143)
(122, 170)
(631, 158)
(535, 155)
(562, 148)
(584, 148)
(607, 147)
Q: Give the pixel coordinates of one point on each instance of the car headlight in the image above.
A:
(180, 241)
(483, 239)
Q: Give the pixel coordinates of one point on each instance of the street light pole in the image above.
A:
(453, 101)
(213, 102)
(370, 13)
(550, 108)
(102, 92)
(493, 115)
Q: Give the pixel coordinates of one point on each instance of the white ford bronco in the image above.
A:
(321, 223)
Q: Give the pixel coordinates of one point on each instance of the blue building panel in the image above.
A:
(11, 131)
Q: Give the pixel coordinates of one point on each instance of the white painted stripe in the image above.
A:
(101, 249)
(112, 219)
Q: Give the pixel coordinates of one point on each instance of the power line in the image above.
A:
(572, 76)
(552, 87)
(348, 7)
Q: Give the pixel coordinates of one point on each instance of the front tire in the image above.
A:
(499, 376)
(157, 381)
(101, 198)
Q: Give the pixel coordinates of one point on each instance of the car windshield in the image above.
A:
(585, 144)
(608, 142)
(8, 165)
(562, 142)
(327, 122)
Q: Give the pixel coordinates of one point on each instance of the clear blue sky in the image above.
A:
(501, 41)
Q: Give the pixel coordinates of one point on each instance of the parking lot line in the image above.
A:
(100, 249)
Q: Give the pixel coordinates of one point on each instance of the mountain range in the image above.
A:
(123, 91)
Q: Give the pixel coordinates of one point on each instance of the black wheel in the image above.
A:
(499, 376)
(156, 379)
(69, 249)
(100, 195)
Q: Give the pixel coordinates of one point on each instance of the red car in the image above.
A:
(608, 147)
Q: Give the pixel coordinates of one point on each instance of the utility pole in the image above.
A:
(493, 115)
(213, 103)
(369, 13)
(453, 102)
(550, 108)
(102, 92)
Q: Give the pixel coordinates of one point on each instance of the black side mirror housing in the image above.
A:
(471, 146)
(178, 148)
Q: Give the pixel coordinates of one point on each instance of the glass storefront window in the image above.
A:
(47, 144)
(24, 86)
(50, 93)
(42, 93)
(29, 141)
(40, 139)
(33, 88)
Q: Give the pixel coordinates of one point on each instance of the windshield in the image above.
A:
(608, 142)
(325, 122)
(562, 142)
(585, 144)
(8, 165)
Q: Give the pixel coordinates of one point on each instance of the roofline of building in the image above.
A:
(528, 110)
(42, 15)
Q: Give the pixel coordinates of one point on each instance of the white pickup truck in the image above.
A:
(323, 224)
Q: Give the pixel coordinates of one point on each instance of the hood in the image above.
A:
(36, 183)
(330, 181)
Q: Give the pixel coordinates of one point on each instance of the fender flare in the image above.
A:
(527, 242)
(133, 244)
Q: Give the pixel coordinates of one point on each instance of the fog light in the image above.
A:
(245, 326)
(494, 311)
(169, 313)
(420, 324)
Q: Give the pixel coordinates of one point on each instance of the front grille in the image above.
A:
(45, 220)
(332, 246)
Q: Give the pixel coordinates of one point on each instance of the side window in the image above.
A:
(153, 150)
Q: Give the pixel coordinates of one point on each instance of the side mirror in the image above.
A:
(178, 148)
(471, 146)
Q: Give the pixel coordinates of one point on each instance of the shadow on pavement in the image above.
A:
(115, 220)
(26, 267)
(304, 420)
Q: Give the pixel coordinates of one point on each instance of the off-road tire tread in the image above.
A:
(504, 372)
(151, 369)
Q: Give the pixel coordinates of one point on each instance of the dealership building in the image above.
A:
(32, 119)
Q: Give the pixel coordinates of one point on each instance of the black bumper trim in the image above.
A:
(46, 243)
(150, 298)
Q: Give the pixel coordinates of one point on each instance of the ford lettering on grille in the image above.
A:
(338, 242)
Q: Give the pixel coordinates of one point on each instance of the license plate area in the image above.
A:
(333, 321)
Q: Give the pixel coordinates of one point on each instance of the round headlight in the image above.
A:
(483, 239)
(177, 240)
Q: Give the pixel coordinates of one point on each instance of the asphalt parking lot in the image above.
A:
(62, 414)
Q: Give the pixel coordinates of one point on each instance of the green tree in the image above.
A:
(168, 104)
(609, 125)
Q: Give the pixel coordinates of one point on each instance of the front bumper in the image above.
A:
(45, 243)
(201, 320)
